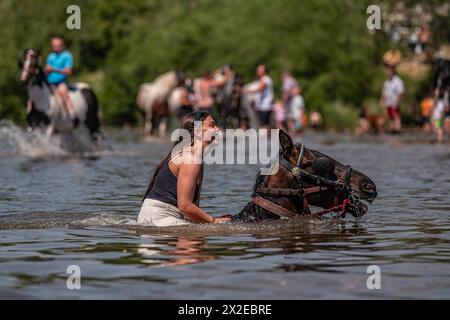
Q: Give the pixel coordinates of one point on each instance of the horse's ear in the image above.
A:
(286, 143)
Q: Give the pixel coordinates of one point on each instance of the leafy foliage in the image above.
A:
(123, 43)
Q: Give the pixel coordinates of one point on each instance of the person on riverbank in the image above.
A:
(316, 120)
(426, 107)
(265, 87)
(289, 85)
(392, 93)
(279, 112)
(447, 118)
(363, 122)
(437, 117)
(296, 112)
(173, 195)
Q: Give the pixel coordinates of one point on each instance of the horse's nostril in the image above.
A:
(369, 188)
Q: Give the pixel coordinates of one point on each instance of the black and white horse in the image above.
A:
(47, 109)
(441, 78)
(154, 99)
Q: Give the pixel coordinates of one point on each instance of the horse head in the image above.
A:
(29, 65)
(307, 177)
(320, 169)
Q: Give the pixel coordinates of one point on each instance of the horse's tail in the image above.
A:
(92, 115)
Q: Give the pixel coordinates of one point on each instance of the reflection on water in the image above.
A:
(62, 211)
(185, 250)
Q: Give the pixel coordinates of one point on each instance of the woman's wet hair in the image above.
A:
(187, 124)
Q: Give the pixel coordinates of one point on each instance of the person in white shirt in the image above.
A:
(289, 84)
(392, 93)
(437, 117)
(296, 112)
(264, 107)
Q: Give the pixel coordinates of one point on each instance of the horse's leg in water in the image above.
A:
(50, 130)
(162, 127)
(148, 123)
(159, 112)
(52, 119)
(159, 125)
(92, 118)
(36, 118)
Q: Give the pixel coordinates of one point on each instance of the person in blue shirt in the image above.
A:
(58, 68)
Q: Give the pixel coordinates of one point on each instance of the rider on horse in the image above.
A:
(59, 67)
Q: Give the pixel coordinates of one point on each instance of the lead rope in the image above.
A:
(340, 209)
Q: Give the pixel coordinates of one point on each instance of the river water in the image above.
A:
(58, 209)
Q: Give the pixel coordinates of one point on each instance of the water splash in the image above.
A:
(80, 220)
(36, 143)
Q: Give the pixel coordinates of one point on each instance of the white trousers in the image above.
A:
(160, 214)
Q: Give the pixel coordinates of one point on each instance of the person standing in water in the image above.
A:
(438, 115)
(288, 86)
(426, 107)
(296, 112)
(204, 98)
(265, 87)
(187, 100)
(173, 195)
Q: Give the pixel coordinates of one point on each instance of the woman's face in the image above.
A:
(209, 130)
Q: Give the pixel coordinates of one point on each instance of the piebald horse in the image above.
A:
(47, 109)
(152, 99)
(162, 97)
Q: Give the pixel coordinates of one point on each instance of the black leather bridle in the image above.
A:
(344, 197)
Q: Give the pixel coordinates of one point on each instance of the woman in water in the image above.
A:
(173, 195)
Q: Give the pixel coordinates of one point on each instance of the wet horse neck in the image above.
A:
(41, 96)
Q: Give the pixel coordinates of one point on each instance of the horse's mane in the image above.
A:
(168, 78)
(40, 78)
(259, 180)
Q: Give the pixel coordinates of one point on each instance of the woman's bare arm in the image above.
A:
(188, 175)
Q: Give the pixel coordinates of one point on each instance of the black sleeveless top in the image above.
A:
(165, 187)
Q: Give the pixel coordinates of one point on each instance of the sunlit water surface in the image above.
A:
(58, 209)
